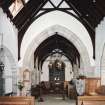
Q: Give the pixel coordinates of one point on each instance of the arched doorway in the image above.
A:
(80, 38)
(8, 73)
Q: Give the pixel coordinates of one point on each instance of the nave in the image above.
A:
(52, 51)
(54, 99)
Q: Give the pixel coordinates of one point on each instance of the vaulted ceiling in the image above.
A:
(89, 12)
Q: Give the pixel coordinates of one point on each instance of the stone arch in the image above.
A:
(46, 26)
(56, 18)
(63, 32)
(8, 56)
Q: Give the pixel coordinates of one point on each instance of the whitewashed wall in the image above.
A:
(100, 50)
(11, 50)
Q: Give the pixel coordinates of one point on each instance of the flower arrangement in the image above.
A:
(20, 85)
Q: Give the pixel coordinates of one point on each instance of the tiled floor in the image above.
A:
(55, 100)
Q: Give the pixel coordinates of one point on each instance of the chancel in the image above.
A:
(52, 52)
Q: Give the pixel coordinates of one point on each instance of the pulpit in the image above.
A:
(92, 84)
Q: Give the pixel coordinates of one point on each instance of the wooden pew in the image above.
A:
(16, 100)
(91, 100)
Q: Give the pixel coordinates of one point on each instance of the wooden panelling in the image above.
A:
(16, 100)
(91, 100)
(91, 85)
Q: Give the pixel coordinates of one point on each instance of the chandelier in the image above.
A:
(55, 57)
(58, 64)
(55, 60)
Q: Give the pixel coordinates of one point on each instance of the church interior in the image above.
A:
(52, 52)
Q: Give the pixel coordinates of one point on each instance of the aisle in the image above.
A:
(55, 100)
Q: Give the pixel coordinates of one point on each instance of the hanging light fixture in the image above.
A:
(59, 64)
(1, 66)
(55, 57)
(55, 60)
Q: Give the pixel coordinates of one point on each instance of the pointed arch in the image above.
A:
(50, 23)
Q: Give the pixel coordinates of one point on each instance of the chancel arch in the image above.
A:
(44, 27)
(65, 33)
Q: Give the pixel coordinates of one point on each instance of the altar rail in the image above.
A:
(91, 100)
(16, 100)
